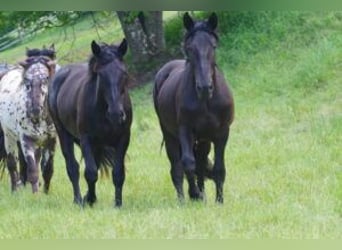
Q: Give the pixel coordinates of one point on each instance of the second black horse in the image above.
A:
(195, 108)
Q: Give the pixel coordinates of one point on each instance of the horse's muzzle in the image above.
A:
(35, 114)
(117, 118)
(205, 92)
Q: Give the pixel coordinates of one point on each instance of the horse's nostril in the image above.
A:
(122, 116)
(36, 111)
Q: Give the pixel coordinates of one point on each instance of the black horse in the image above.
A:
(195, 108)
(90, 106)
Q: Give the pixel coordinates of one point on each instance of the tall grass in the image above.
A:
(283, 157)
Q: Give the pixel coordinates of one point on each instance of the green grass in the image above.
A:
(284, 177)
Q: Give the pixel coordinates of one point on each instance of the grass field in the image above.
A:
(284, 177)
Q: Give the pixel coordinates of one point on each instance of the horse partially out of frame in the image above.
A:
(25, 120)
(195, 108)
(48, 52)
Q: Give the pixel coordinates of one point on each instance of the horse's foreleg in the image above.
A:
(118, 173)
(72, 166)
(219, 170)
(30, 153)
(201, 152)
(22, 165)
(12, 168)
(47, 162)
(90, 172)
(186, 139)
(173, 153)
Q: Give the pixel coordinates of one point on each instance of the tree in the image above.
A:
(143, 30)
(145, 36)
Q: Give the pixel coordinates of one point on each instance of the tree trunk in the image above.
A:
(145, 36)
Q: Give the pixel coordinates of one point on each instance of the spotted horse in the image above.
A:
(24, 118)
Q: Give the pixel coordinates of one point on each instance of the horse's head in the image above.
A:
(199, 47)
(37, 73)
(108, 67)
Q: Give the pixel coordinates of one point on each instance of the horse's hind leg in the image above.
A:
(173, 152)
(11, 151)
(47, 163)
(201, 152)
(219, 170)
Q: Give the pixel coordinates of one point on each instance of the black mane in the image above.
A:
(107, 55)
(37, 59)
(50, 53)
(200, 26)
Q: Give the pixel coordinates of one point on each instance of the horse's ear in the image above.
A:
(52, 66)
(23, 64)
(212, 21)
(96, 49)
(52, 47)
(187, 21)
(51, 63)
(122, 49)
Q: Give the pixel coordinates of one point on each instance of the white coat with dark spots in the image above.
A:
(24, 118)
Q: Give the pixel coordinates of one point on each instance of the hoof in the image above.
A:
(87, 199)
(78, 201)
(196, 196)
(118, 204)
(219, 200)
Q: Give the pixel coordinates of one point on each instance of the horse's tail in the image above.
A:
(104, 159)
(208, 172)
(2, 153)
(162, 145)
(155, 93)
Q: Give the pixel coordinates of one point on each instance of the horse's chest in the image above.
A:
(205, 124)
(18, 122)
(200, 119)
(39, 131)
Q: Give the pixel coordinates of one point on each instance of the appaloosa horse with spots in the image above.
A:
(24, 118)
(195, 108)
(4, 68)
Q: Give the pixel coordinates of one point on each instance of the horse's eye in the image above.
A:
(28, 86)
(189, 49)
